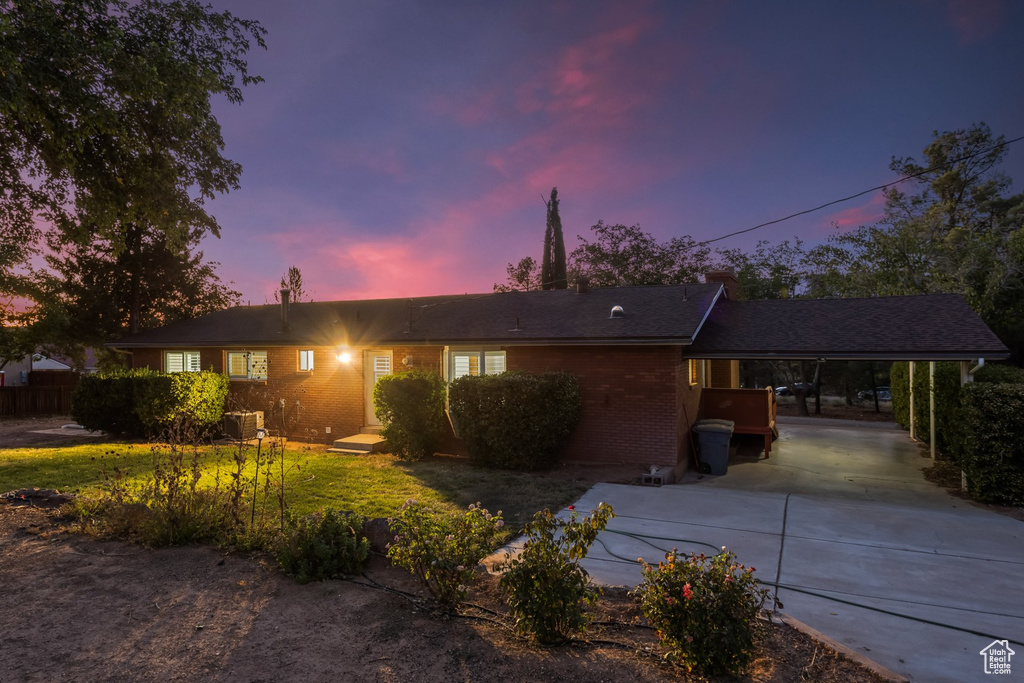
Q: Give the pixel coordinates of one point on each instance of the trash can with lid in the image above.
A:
(714, 443)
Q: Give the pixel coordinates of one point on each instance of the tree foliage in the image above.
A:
(292, 280)
(955, 232)
(523, 277)
(105, 116)
(101, 292)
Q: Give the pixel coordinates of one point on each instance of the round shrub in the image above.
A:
(547, 590)
(410, 407)
(443, 550)
(704, 610)
(516, 420)
(323, 545)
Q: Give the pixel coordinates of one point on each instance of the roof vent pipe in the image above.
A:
(286, 295)
(617, 312)
(582, 284)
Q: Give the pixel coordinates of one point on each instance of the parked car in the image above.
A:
(787, 391)
(884, 394)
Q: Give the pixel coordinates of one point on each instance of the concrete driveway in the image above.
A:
(861, 547)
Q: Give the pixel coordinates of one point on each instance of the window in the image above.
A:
(693, 371)
(247, 365)
(475, 362)
(181, 361)
(306, 360)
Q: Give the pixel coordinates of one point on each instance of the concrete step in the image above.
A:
(370, 430)
(359, 443)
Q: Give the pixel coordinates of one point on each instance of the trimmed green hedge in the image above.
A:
(991, 451)
(410, 407)
(516, 420)
(947, 397)
(107, 402)
(138, 403)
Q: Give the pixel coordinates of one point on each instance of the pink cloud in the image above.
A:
(975, 20)
(853, 217)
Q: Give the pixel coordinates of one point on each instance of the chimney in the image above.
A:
(727, 278)
(582, 284)
(286, 295)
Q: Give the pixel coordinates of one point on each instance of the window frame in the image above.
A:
(185, 366)
(248, 377)
(693, 371)
(481, 354)
(308, 358)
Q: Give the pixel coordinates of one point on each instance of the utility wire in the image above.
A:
(1005, 143)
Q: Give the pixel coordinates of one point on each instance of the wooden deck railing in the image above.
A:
(753, 411)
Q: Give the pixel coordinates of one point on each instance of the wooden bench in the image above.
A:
(752, 410)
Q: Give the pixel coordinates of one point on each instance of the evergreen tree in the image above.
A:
(553, 271)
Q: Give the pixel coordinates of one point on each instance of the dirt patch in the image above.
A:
(840, 411)
(94, 610)
(22, 432)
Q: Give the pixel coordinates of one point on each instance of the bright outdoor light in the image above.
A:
(344, 356)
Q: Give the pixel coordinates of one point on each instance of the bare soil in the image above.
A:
(19, 432)
(840, 411)
(77, 608)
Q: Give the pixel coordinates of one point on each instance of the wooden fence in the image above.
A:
(35, 400)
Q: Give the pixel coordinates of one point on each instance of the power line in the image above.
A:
(861, 194)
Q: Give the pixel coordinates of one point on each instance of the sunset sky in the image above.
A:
(405, 148)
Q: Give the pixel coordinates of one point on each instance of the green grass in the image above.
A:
(371, 485)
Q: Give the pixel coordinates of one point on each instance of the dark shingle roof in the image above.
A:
(925, 327)
(662, 314)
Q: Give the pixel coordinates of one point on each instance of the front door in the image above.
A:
(376, 364)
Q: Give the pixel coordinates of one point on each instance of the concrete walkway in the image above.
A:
(841, 513)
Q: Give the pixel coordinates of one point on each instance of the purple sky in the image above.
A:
(402, 148)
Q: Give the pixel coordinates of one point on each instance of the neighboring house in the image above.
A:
(642, 355)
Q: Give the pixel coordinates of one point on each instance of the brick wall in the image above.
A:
(725, 374)
(636, 400)
(331, 396)
(632, 400)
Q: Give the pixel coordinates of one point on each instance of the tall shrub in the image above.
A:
(947, 401)
(195, 397)
(106, 402)
(137, 403)
(410, 407)
(991, 452)
(516, 420)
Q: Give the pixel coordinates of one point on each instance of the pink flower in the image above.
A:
(670, 600)
(687, 591)
(572, 507)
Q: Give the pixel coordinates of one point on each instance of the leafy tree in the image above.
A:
(626, 255)
(770, 271)
(293, 280)
(523, 276)
(106, 121)
(553, 270)
(102, 292)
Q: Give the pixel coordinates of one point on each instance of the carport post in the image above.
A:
(931, 405)
(913, 435)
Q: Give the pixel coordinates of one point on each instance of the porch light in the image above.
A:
(344, 356)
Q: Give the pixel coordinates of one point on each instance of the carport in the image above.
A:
(925, 328)
(839, 521)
